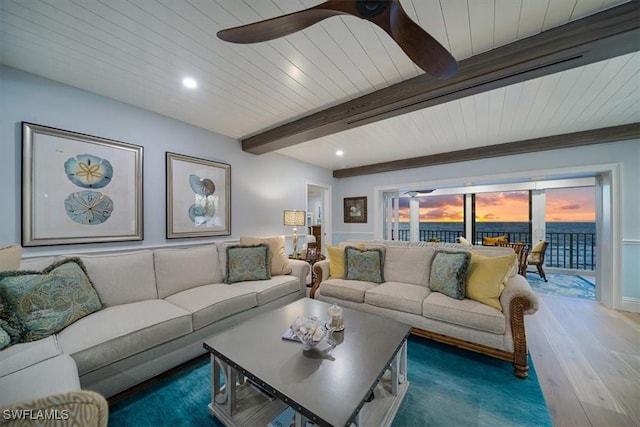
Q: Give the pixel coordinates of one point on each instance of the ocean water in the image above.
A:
(572, 245)
(513, 227)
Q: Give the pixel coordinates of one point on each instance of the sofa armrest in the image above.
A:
(517, 286)
(301, 270)
(518, 299)
(321, 269)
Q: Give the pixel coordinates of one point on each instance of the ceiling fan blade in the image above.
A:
(425, 51)
(284, 25)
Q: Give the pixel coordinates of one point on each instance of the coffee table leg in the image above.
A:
(403, 362)
(300, 420)
(399, 369)
(223, 397)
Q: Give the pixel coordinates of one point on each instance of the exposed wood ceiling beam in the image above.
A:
(595, 136)
(601, 36)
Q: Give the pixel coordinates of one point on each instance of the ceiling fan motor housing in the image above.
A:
(371, 8)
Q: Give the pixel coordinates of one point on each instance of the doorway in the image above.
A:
(318, 206)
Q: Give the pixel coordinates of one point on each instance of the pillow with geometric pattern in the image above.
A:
(250, 262)
(366, 265)
(39, 304)
(448, 273)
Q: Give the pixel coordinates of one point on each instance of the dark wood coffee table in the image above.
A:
(328, 385)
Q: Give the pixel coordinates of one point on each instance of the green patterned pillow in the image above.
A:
(5, 339)
(42, 303)
(366, 265)
(249, 262)
(448, 273)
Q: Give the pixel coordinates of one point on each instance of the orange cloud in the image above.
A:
(566, 204)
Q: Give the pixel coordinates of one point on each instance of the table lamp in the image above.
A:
(294, 218)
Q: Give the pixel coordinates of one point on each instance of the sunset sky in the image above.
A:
(569, 205)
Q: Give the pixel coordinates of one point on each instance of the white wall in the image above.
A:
(261, 186)
(627, 154)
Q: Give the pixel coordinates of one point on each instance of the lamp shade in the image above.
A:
(294, 218)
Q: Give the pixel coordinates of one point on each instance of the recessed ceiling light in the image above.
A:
(339, 153)
(189, 83)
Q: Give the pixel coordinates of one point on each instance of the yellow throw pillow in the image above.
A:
(491, 241)
(486, 277)
(277, 256)
(336, 260)
(534, 255)
(10, 257)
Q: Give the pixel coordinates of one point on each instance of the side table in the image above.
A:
(311, 261)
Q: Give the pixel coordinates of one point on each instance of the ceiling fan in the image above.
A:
(425, 51)
(418, 193)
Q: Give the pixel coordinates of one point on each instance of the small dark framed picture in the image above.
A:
(312, 253)
(355, 209)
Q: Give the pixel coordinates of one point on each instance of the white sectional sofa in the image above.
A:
(159, 306)
(405, 295)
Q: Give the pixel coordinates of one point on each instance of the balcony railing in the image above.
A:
(566, 250)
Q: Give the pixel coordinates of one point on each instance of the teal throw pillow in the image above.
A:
(11, 331)
(250, 262)
(448, 273)
(39, 304)
(366, 265)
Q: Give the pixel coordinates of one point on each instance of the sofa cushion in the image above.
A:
(350, 290)
(54, 375)
(448, 272)
(23, 355)
(44, 303)
(486, 277)
(272, 289)
(181, 269)
(210, 303)
(278, 260)
(468, 313)
(10, 257)
(366, 265)
(121, 331)
(122, 278)
(408, 264)
(397, 296)
(247, 263)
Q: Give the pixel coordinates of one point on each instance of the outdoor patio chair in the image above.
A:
(521, 249)
(536, 257)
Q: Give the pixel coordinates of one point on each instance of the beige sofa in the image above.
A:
(159, 307)
(405, 295)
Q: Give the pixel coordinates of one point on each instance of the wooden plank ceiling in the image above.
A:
(138, 51)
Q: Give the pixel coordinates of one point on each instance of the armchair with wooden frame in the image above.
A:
(522, 250)
(536, 258)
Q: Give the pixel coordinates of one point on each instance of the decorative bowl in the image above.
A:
(309, 330)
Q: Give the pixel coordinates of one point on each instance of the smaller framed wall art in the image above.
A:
(355, 209)
(198, 197)
(79, 188)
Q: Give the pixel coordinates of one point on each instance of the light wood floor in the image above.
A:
(587, 358)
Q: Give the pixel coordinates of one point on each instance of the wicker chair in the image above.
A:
(521, 249)
(536, 258)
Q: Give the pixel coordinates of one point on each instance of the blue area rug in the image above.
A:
(448, 387)
(564, 285)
